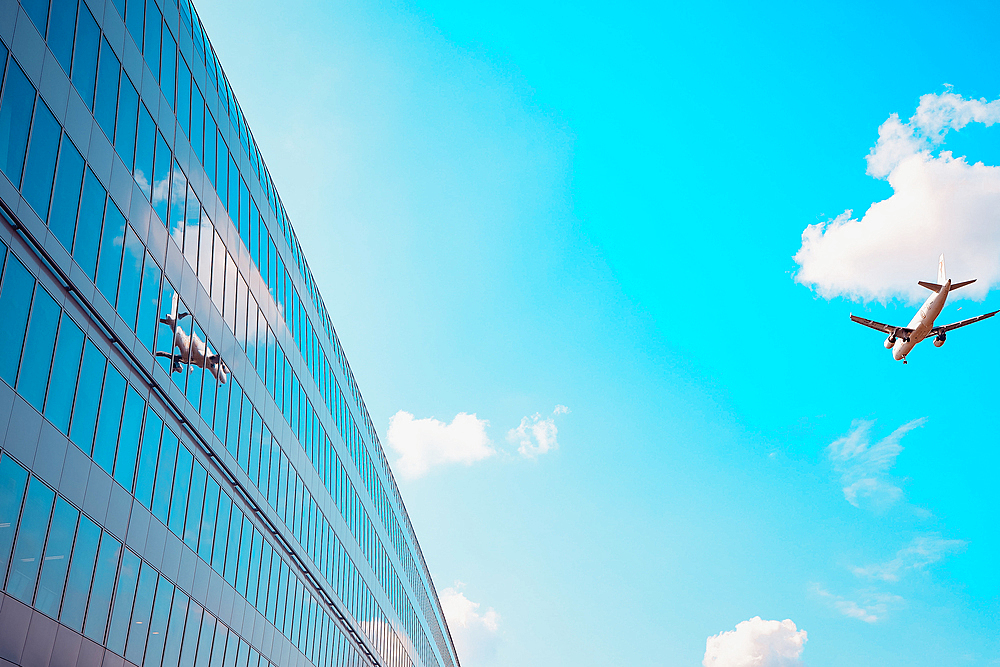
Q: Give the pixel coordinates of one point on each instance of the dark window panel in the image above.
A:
(39, 346)
(161, 177)
(40, 166)
(15, 299)
(121, 614)
(109, 419)
(139, 629)
(88, 228)
(128, 112)
(88, 41)
(61, 28)
(69, 181)
(151, 41)
(128, 442)
(30, 539)
(65, 369)
(56, 562)
(134, 13)
(146, 471)
(38, 12)
(88, 395)
(15, 119)
(131, 278)
(110, 262)
(104, 582)
(81, 574)
(164, 475)
(149, 297)
(106, 100)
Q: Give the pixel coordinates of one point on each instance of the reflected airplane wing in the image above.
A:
(971, 320)
(884, 328)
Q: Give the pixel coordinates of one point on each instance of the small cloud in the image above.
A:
(536, 436)
(425, 443)
(864, 467)
(873, 606)
(756, 643)
(476, 634)
(940, 204)
(922, 551)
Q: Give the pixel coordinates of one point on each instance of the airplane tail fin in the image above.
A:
(942, 275)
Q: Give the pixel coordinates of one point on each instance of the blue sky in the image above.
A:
(529, 205)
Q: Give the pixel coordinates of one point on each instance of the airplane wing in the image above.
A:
(971, 320)
(884, 328)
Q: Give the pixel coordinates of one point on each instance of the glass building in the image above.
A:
(188, 474)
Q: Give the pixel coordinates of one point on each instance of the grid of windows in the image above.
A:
(198, 180)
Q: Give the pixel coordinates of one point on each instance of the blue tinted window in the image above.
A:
(69, 181)
(128, 441)
(61, 29)
(40, 167)
(56, 563)
(184, 100)
(39, 345)
(15, 119)
(139, 629)
(131, 278)
(199, 136)
(148, 316)
(110, 263)
(88, 230)
(65, 367)
(30, 538)
(210, 138)
(81, 574)
(88, 396)
(175, 216)
(15, 298)
(109, 419)
(204, 654)
(88, 41)
(161, 177)
(167, 66)
(164, 475)
(106, 101)
(104, 582)
(207, 537)
(144, 146)
(158, 624)
(38, 12)
(169, 308)
(146, 472)
(221, 533)
(175, 629)
(151, 43)
(182, 484)
(121, 615)
(128, 112)
(134, 12)
(192, 524)
(233, 546)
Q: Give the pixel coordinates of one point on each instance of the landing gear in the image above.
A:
(904, 361)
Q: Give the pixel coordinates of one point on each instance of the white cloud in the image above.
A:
(535, 435)
(940, 204)
(874, 605)
(476, 634)
(756, 643)
(424, 443)
(922, 551)
(864, 467)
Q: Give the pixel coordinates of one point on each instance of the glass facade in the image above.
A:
(188, 473)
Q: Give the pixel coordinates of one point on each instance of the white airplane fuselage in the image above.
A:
(922, 322)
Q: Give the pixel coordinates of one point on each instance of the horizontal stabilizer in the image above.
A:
(934, 287)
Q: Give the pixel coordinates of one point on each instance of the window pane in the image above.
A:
(161, 177)
(148, 302)
(88, 40)
(233, 546)
(192, 225)
(109, 419)
(40, 167)
(209, 516)
(175, 629)
(88, 230)
(139, 629)
(104, 582)
(169, 309)
(192, 524)
(131, 278)
(61, 31)
(15, 297)
(178, 196)
(184, 99)
(34, 374)
(168, 60)
(164, 475)
(69, 181)
(151, 43)
(56, 563)
(81, 574)
(221, 533)
(128, 111)
(128, 441)
(144, 145)
(88, 396)
(182, 484)
(30, 538)
(204, 641)
(110, 263)
(121, 615)
(134, 13)
(147, 458)
(15, 119)
(158, 624)
(106, 101)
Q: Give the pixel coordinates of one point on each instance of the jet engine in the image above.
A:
(889, 342)
(939, 341)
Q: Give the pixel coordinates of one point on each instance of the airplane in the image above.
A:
(193, 350)
(903, 339)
